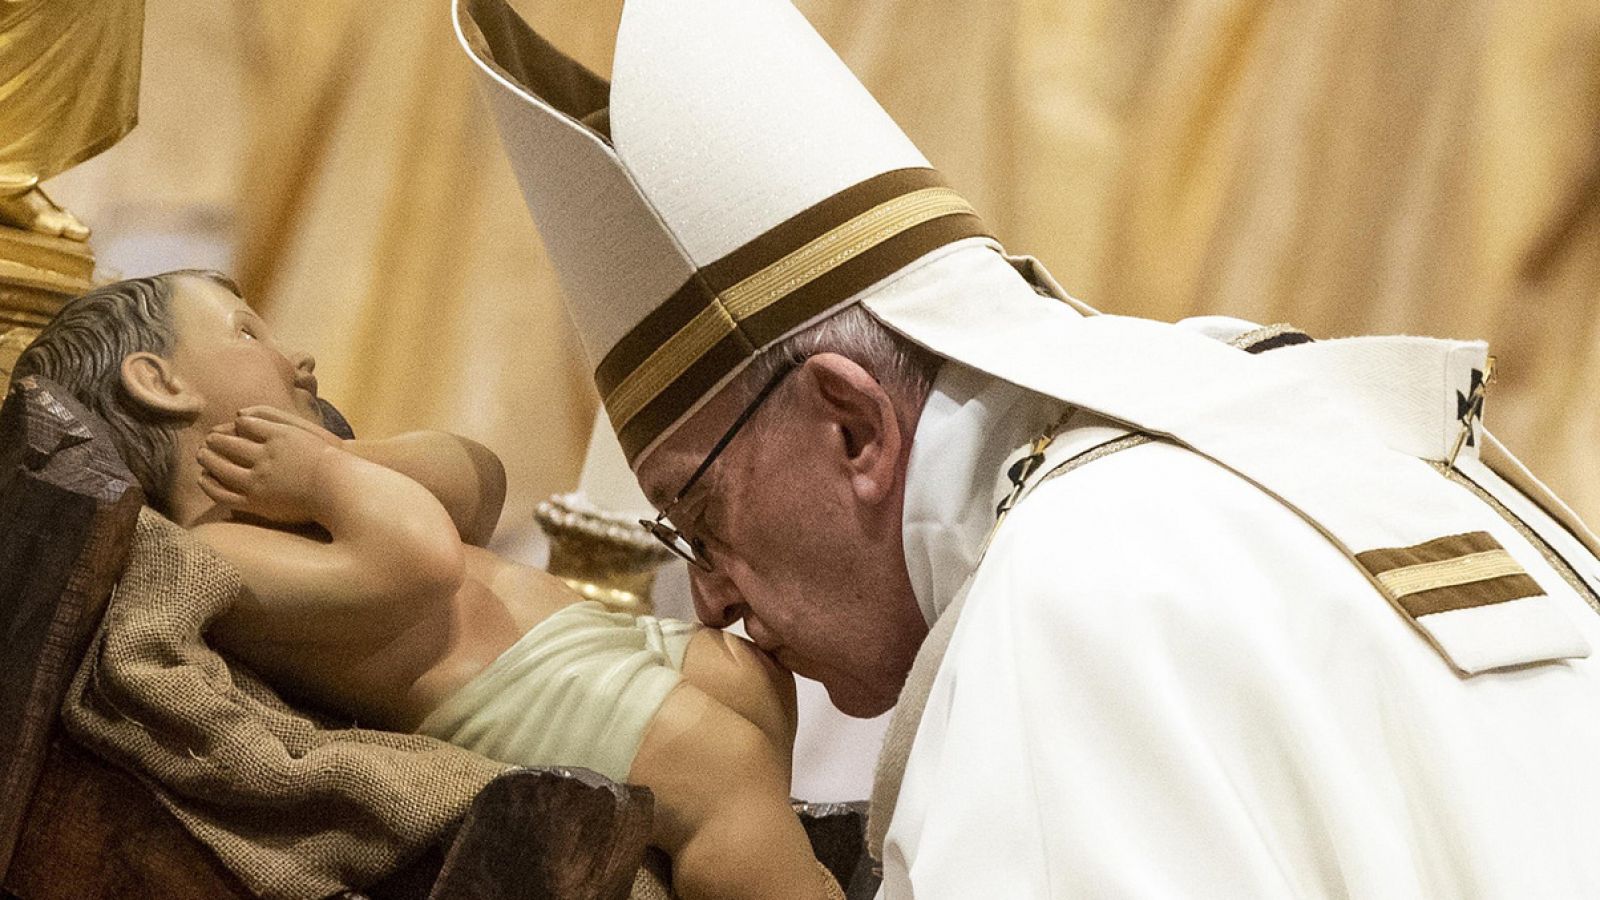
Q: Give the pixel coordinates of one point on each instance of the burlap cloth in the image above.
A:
(294, 809)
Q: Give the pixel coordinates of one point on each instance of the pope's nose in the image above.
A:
(716, 601)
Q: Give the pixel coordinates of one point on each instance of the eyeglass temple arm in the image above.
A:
(716, 450)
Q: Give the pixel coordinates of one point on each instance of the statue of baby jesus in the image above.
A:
(365, 591)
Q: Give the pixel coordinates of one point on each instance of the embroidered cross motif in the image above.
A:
(1020, 472)
(1469, 406)
(1469, 409)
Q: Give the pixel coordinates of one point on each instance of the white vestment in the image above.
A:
(1163, 682)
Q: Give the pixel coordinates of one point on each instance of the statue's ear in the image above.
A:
(150, 381)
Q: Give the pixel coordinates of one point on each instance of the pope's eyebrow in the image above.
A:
(703, 500)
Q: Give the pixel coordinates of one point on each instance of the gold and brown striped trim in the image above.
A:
(1461, 571)
(1557, 561)
(1270, 337)
(732, 308)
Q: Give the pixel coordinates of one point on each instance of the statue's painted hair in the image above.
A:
(82, 350)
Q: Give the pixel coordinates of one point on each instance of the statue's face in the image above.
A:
(225, 354)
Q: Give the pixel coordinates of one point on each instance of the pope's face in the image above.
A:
(225, 354)
(810, 562)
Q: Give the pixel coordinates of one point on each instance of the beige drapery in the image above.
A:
(1349, 166)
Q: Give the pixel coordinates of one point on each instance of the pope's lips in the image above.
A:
(307, 383)
(784, 658)
(774, 649)
(776, 652)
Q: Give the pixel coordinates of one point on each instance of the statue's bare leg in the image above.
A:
(26, 206)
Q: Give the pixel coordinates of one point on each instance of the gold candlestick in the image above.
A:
(604, 556)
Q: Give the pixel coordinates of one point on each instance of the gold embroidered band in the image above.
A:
(1461, 571)
(796, 272)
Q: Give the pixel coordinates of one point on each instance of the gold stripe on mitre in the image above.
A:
(802, 269)
(1461, 571)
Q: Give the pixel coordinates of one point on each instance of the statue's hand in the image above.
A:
(273, 414)
(270, 469)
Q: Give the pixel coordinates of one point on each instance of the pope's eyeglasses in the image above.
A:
(693, 550)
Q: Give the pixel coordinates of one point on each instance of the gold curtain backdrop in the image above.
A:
(1348, 167)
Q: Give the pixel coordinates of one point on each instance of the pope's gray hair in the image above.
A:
(905, 369)
(82, 350)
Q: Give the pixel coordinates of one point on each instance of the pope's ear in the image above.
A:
(862, 414)
(150, 381)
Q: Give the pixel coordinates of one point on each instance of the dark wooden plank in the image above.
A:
(564, 834)
(67, 512)
(838, 833)
(96, 833)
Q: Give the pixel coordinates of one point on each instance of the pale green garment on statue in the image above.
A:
(578, 689)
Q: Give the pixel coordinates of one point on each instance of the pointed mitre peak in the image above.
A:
(750, 96)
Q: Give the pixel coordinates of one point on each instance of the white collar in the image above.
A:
(970, 424)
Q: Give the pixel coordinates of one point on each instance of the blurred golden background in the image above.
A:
(1348, 167)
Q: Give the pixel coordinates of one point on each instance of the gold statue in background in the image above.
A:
(69, 88)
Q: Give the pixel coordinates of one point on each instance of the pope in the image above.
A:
(1203, 609)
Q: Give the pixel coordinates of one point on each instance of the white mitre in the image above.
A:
(732, 185)
(735, 183)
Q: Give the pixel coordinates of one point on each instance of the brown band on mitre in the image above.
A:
(688, 301)
(700, 291)
(1461, 571)
(796, 272)
(701, 378)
